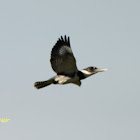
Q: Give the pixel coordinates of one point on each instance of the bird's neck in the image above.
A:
(83, 75)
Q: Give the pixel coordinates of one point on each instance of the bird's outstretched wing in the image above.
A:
(62, 58)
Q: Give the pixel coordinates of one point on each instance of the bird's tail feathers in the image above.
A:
(42, 84)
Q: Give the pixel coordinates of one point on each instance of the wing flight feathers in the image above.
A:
(62, 58)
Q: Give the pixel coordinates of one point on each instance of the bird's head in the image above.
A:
(91, 70)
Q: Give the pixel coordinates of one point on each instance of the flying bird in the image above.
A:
(63, 63)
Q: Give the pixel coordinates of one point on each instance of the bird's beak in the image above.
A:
(100, 70)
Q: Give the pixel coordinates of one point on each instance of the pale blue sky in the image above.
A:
(103, 33)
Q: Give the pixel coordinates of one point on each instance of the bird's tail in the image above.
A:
(42, 84)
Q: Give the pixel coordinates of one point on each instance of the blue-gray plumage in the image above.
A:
(63, 63)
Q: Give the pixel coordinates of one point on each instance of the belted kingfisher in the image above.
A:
(64, 64)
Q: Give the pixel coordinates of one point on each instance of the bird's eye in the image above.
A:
(93, 68)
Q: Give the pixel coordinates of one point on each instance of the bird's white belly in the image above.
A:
(61, 79)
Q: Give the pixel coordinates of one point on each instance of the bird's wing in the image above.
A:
(62, 58)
